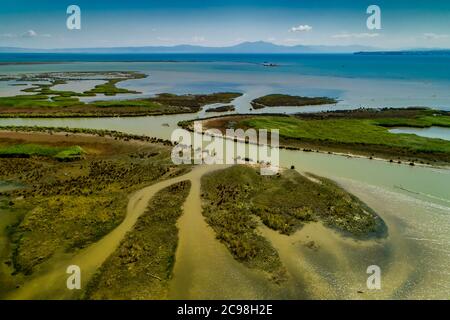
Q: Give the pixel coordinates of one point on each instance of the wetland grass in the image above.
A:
(237, 199)
(142, 265)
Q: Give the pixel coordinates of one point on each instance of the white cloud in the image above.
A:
(355, 35)
(29, 34)
(301, 28)
(435, 36)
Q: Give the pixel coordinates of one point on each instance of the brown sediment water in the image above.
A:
(414, 258)
(50, 283)
(321, 263)
(204, 268)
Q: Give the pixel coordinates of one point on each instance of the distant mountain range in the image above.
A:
(245, 47)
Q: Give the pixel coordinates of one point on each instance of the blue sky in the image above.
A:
(405, 24)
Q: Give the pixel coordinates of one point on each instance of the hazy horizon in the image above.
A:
(405, 24)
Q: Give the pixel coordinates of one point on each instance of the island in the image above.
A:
(284, 100)
(225, 108)
(363, 132)
(42, 101)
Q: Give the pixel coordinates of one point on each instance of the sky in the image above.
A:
(404, 24)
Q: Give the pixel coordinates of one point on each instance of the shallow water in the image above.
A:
(354, 81)
(432, 132)
(204, 268)
(79, 86)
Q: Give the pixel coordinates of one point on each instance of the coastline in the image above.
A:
(335, 149)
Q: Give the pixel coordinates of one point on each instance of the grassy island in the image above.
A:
(237, 199)
(42, 100)
(362, 131)
(142, 266)
(284, 100)
(222, 109)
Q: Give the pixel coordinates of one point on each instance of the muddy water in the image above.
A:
(50, 283)
(202, 264)
(204, 268)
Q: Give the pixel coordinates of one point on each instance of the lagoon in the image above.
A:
(432, 132)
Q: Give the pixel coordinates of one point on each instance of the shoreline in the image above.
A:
(187, 125)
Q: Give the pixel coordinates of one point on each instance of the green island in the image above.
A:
(225, 108)
(236, 200)
(142, 266)
(43, 101)
(285, 100)
(362, 132)
(29, 150)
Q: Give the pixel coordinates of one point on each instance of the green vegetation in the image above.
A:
(195, 100)
(43, 101)
(142, 265)
(109, 88)
(69, 205)
(28, 150)
(279, 100)
(225, 108)
(360, 131)
(235, 199)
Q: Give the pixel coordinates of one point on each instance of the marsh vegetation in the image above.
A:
(285, 100)
(142, 265)
(68, 205)
(361, 131)
(238, 199)
(42, 100)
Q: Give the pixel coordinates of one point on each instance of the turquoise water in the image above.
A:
(356, 81)
(339, 65)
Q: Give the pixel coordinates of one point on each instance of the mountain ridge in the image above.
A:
(244, 47)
